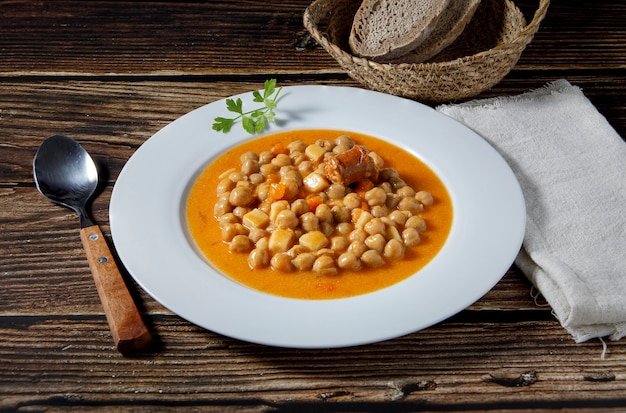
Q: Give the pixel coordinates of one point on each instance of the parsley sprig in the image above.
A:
(253, 121)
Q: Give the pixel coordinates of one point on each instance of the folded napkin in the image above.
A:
(571, 165)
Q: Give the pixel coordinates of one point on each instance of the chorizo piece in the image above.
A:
(351, 166)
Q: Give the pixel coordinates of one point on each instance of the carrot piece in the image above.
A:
(273, 178)
(363, 186)
(313, 202)
(277, 191)
(279, 148)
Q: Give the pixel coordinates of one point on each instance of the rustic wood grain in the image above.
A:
(446, 365)
(228, 37)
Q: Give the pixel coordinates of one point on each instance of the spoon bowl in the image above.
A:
(66, 175)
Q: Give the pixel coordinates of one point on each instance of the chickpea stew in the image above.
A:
(318, 214)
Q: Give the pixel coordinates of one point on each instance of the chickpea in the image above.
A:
(358, 234)
(325, 265)
(305, 167)
(299, 207)
(224, 186)
(240, 196)
(296, 146)
(282, 159)
(394, 250)
(340, 214)
(244, 183)
(258, 258)
(268, 169)
(352, 201)
(324, 213)
(265, 157)
(291, 188)
(357, 248)
(298, 157)
(344, 228)
(236, 176)
(406, 191)
(286, 219)
(281, 262)
(375, 226)
(397, 183)
(388, 174)
(239, 212)
(256, 234)
(398, 217)
(416, 222)
(250, 155)
(348, 261)
(263, 191)
(410, 204)
(221, 208)
(344, 140)
(291, 173)
(256, 178)
(339, 243)
(425, 197)
(336, 191)
(392, 201)
(304, 261)
(250, 166)
(376, 242)
(372, 259)
(360, 217)
(225, 197)
(378, 160)
(240, 243)
(376, 196)
(340, 149)
(263, 243)
(411, 237)
(386, 186)
(327, 228)
(325, 144)
(228, 218)
(309, 222)
(393, 233)
(230, 231)
(379, 211)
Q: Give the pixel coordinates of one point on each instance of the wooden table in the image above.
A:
(111, 74)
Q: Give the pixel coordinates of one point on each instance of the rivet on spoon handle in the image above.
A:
(127, 327)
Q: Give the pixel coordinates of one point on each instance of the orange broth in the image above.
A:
(205, 231)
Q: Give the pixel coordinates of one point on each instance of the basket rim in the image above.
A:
(523, 38)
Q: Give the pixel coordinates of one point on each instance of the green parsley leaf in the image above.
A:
(255, 120)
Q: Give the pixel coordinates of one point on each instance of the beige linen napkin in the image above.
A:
(571, 165)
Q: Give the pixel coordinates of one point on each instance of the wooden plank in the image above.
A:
(69, 361)
(113, 118)
(247, 37)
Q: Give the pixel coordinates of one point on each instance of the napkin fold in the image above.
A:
(571, 165)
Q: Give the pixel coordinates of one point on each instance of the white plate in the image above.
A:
(149, 229)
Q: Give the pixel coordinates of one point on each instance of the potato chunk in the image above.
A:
(314, 240)
(281, 240)
(255, 219)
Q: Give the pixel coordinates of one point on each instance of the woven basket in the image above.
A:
(486, 51)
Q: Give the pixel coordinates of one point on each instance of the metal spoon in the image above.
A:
(65, 174)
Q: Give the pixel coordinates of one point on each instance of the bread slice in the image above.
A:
(386, 29)
(448, 28)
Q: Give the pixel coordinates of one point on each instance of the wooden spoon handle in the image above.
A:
(128, 329)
